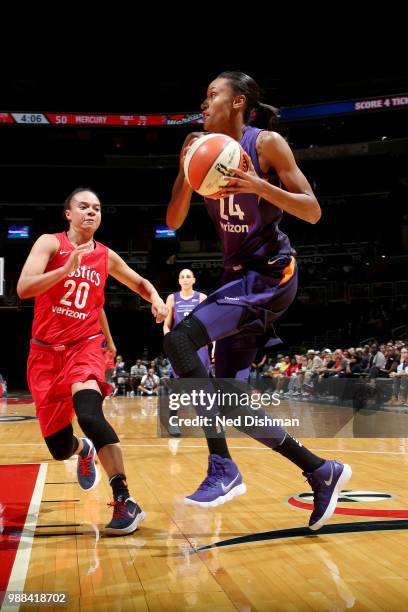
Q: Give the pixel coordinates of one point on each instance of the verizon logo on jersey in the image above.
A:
(237, 229)
(67, 312)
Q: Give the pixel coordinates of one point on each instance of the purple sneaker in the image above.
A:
(326, 483)
(223, 483)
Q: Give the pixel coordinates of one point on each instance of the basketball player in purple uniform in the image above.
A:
(259, 283)
(181, 304)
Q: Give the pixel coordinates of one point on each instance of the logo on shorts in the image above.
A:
(234, 299)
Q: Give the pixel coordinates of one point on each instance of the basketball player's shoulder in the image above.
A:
(202, 297)
(49, 242)
(51, 238)
(270, 139)
(273, 147)
(170, 299)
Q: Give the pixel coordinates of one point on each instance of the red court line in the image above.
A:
(354, 511)
(17, 484)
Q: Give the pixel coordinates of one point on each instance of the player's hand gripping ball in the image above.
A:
(207, 162)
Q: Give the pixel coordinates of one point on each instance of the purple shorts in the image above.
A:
(240, 315)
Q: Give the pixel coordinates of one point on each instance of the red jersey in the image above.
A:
(70, 310)
(292, 369)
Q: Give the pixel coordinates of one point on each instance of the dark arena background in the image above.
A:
(349, 138)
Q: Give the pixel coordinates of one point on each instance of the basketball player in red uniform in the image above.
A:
(66, 274)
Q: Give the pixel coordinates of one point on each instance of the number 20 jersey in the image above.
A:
(70, 310)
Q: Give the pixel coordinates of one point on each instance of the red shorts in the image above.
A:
(52, 369)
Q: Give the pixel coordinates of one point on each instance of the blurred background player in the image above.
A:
(180, 305)
(66, 274)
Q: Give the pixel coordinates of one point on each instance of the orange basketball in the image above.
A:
(207, 161)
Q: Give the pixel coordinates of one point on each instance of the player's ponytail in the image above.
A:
(264, 116)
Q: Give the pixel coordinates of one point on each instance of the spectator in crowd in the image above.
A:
(258, 364)
(400, 377)
(365, 358)
(164, 370)
(377, 361)
(268, 368)
(282, 366)
(314, 365)
(296, 374)
(340, 364)
(260, 369)
(353, 367)
(154, 365)
(149, 385)
(391, 362)
(120, 376)
(324, 372)
(137, 372)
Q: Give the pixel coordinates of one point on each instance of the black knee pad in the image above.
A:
(181, 345)
(88, 408)
(62, 444)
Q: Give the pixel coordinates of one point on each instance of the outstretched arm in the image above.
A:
(121, 271)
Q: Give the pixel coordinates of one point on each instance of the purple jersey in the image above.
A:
(248, 227)
(183, 307)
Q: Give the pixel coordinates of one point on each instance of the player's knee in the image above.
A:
(182, 343)
(88, 409)
(174, 342)
(181, 351)
(62, 444)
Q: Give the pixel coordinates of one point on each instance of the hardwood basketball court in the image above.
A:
(358, 561)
